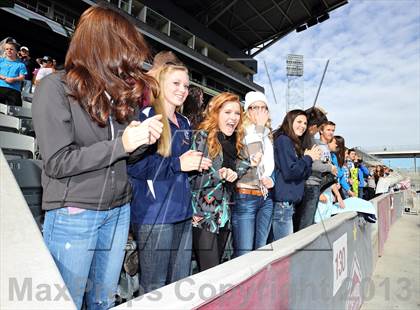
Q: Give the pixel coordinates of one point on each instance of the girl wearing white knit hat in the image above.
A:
(252, 212)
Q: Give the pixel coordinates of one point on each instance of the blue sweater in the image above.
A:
(362, 173)
(341, 176)
(290, 171)
(161, 191)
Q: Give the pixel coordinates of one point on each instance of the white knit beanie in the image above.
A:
(254, 96)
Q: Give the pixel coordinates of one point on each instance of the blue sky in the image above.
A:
(372, 86)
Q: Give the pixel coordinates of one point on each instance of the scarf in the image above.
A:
(229, 156)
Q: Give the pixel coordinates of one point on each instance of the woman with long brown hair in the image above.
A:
(82, 123)
(292, 167)
(219, 138)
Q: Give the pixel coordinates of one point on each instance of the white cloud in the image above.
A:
(372, 86)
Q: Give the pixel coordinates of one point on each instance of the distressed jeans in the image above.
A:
(282, 220)
(88, 249)
(164, 253)
(251, 222)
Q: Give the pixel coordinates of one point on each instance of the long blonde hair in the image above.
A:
(164, 143)
(210, 124)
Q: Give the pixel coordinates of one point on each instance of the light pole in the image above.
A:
(295, 90)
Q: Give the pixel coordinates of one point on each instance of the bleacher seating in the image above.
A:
(16, 145)
(9, 123)
(28, 175)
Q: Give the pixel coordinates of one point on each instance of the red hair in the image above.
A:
(210, 124)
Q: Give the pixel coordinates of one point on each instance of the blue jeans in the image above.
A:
(282, 220)
(251, 221)
(164, 253)
(88, 248)
(308, 206)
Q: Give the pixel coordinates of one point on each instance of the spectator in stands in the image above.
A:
(305, 212)
(344, 174)
(354, 171)
(159, 60)
(79, 115)
(47, 68)
(193, 108)
(2, 44)
(253, 208)
(220, 138)
(12, 73)
(31, 65)
(330, 194)
(161, 210)
(371, 185)
(363, 173)
(292, 167)
(326, 142)
(379, 173)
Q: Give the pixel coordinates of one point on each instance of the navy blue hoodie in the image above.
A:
(290, 171)
(161, 191)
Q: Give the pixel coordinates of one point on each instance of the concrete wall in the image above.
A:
(29, 276)
(326, 266)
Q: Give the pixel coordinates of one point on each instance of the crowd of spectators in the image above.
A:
(19, 72)
(119, 146)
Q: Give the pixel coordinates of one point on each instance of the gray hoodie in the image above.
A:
(319, 167)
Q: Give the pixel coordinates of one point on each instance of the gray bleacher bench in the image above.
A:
(24, 114)
(28, 176)
(9, 123)
(3, 108)
(26, 104)
(20, 112)
(15, 145)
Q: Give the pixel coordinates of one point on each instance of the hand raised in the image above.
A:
(231, 175)
(194, 160)
(260, 117)
(140, 133)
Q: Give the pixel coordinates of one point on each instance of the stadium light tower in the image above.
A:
(295, 90)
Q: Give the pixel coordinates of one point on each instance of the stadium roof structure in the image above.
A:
(251, 25)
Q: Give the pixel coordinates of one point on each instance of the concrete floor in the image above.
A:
(396, 279)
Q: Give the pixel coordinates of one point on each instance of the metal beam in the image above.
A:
(281, 10)
(262, 12)
(305, 7)
(260, 15)
(233, 33)
(246, 24)
(221, 13)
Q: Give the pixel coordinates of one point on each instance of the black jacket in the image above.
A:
(84, 165)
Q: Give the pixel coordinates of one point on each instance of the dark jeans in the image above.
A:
(164, 253)
(209, 247)
(10, 96)
(251, 221)
(282, 220)
(307, 208)
(370, 193)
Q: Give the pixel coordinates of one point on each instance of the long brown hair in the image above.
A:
(286, 128)
(341, 150)
(105, 56)
(210, 124)
(164, 143)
